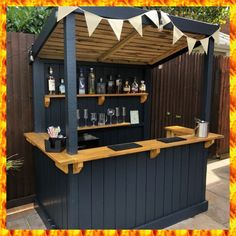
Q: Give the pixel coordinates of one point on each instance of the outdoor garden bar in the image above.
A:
(96, 165)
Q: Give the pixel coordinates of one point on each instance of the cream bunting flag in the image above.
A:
(153, 16)
(191, 44)
(177, 34)
(116, 25)
(205, 43)
(64, 11)
(92, 21)
(216, 36)
(136, 22)
(165, 18)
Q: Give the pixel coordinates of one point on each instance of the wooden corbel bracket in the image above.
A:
(154, 153)
(143, 98)
(101, 100)
(46, 101)
(207, 144)
(77, 167)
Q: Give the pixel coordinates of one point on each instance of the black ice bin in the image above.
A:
(55, 144)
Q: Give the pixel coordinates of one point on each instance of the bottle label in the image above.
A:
(51, 85)
(62, 89)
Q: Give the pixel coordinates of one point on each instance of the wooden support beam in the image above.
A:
(154, 153)
(71, 85)
(120, 44)
(77, 167)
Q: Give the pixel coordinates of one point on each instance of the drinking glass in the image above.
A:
(117, 114)
(102, 119)
(123, 113)
(110, 112)
(85, 117)
(93, 118)
(78, 116)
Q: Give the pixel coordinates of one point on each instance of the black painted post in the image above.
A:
(70, 82)
(38, 96)
(207, 83)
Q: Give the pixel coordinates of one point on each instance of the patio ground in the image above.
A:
(217, 216)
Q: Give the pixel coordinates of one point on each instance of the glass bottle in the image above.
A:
(118, 84)
(81, 83)
(134, 87)
(51, 81)
(110, 85)
(91, 82)
(62, 88)
(142, 87)
(101, 87)
(126, 88)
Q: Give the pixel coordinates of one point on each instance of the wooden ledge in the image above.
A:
(63, 159)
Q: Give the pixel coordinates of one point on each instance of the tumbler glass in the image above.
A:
(85, 117)
(123, 113)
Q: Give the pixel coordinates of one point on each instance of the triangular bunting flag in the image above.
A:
(216, 36)
(153, 16)
(116, 25)
(136, 22)
(205, 43)
(92, 21)
(165, 18)
(191, 43)
(177, 34)
(64, 11)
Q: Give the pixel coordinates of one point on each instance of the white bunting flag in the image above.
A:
(165, 18)
(64, 11)
(205, 43)
(116, 25)
(216, 36)
(92, 21)
(177, 34)
(153, 16)
(191, 43)
(136, 22)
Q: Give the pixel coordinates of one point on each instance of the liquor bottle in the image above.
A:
(81, 83)
(91, 82)
(110, 85)
(134, 86)
(142, 87)
(118, 84)
(126, 88)
(101, 87)
(62, 88)
(51, 82)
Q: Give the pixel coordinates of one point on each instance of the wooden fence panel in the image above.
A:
(20, 184)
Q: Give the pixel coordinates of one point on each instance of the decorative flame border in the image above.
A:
(4, 4)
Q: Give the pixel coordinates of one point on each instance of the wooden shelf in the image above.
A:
(101, 97)
(103, 126)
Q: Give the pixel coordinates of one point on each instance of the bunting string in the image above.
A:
(93, 20)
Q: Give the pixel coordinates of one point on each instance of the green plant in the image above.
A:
(27, 19)
(14, 164)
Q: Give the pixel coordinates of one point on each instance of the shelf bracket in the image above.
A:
(143, 98)
(209, 143)
(77, 167)
(63, 168)
(46, 101)
(101, 100)
(154, 153)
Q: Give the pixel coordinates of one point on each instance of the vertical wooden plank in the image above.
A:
(168, 181)
(71, 84)
(97, 194)
(176, 179)
(131, 181)
(109, 194)
(141, 189)
(85, 197)
(120, 192)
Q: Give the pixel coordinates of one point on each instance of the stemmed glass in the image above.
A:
(93, 118)
(85, 117)
(123, 113)
(78, 116)
(110, 112)
(117, 114)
